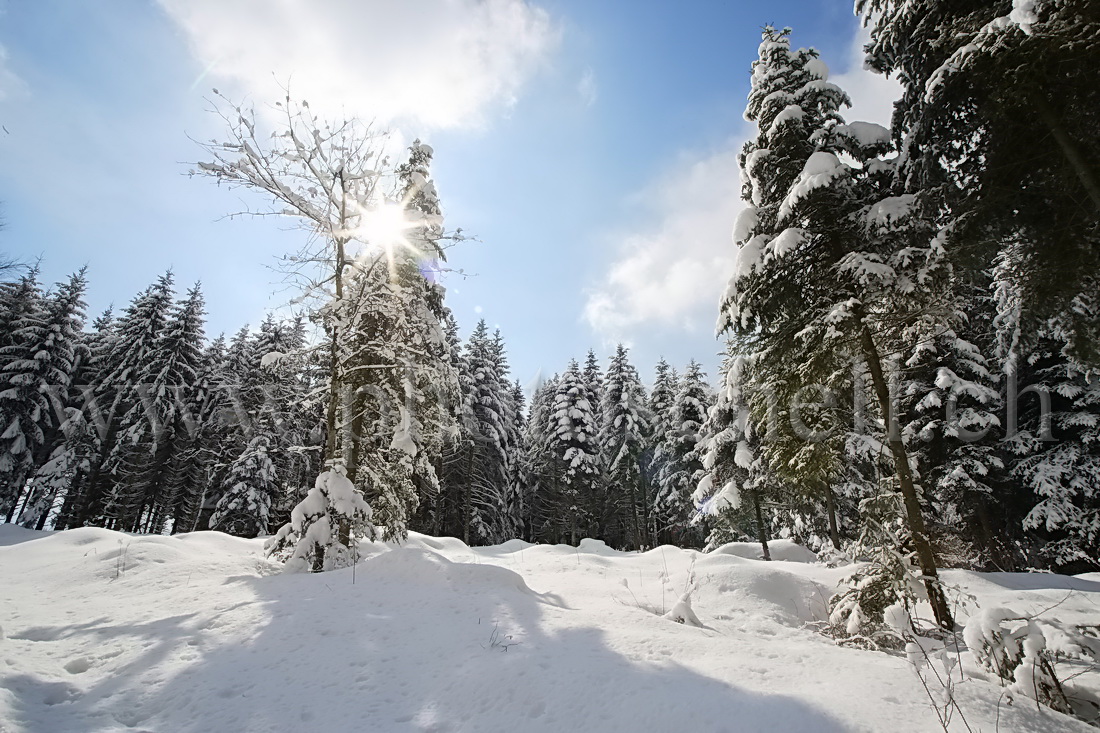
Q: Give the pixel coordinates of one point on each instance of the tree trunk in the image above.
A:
(343, 526)
(14, 505)
(915, 519)
(830, 507)
(761, 530)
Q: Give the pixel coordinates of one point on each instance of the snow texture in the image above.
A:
(821, 170)
(110, 632)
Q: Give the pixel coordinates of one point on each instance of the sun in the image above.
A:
(383, 230)
(385, 226)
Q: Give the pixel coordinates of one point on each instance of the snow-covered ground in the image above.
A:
(111, 632)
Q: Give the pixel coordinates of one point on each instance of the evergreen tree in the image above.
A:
(487, 426)
(624, 428)
(540, 478)
(948, 404)
(38, 368)
(81, 501)
(983, 81)
(397, 358)
(128, 373)
(446, 507)
(677, 480)
(1057, 458)
(831, 265)
(593, 379)
(735, 479)
(518, 497)
(19, 300)
(214, 443)
(156, 430)
(661, 401)
(574, 452)
(390, 376)
(245, 505)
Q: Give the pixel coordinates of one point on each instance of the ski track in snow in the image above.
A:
(109, 632)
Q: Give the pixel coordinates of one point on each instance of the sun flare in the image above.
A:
(385, 226)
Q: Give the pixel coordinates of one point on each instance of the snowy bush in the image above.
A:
(1022, 651)
(323, 528)
(890, 578)
(681, 611)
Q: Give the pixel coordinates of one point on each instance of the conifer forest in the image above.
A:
(891, 469)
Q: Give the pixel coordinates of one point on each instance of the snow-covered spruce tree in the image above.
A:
(442, 514)
(574, 455)
(484, 459)
(948, 405)
(287, 414)
(118, 401)
(540, 477)
(20, 307)
(790, 99)
(1056, 457)
(64, 470)
(65, 475)
(375, 232)
(37, 393)
(983, 81)
(81, 502)
(19, 299)
(593, 379)
(666, 383)
(624, 428)
(155, 432)
(829, 264)
(734, 481)
(518, 497)
(678, 479)
(38, 368)
(310, 541)
(251, 487)
(513, 401)
(214, 443)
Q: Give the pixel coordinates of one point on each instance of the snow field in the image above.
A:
(110, 632)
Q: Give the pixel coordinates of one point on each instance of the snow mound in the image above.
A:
(786, 550)
(13, 534)
(596, 547)
(512, 546)
(408, 565)
(760, 591)
(438, 544)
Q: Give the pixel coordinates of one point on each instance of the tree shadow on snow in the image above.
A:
(417, 643)
(1041, 581)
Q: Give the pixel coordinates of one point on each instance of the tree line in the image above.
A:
(909, 377)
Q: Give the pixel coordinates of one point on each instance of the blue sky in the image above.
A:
(590, 146)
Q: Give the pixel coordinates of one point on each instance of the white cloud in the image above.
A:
(587, 88)
(672, 274)
(873, 95)
(431, 63)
